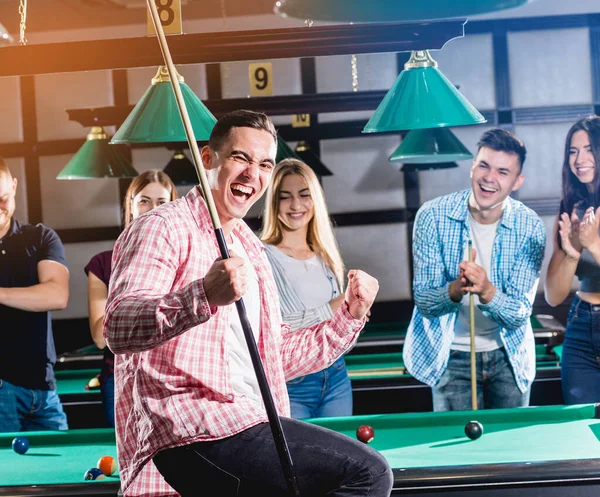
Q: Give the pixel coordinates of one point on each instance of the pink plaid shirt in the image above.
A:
(172, 381)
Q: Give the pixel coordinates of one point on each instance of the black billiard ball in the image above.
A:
(20, 445)
(474, 430)
(365, 434)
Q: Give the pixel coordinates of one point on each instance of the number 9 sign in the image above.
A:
(261, 79)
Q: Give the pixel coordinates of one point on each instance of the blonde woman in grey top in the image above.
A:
(308, 270)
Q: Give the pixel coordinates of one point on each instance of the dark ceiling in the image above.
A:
(51, 15)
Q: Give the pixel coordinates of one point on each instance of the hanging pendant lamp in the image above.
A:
(311, 159)
(181, 170)
(430, 146)
(156, 119)
(98, 159)
(284, 151)
(389, 10)
(422, 97)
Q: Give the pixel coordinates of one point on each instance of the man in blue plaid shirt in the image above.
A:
(508, 242)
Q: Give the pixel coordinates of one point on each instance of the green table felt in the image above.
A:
(69, 382)
(385, 365)
(530, 434)
(558, 351)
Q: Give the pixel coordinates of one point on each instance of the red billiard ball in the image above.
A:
(474, 430)
(107, 465)
(365, 434)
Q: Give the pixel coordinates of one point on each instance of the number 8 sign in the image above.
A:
(169, 12)
(261, 80)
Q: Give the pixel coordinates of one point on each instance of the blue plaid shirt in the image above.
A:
(441, 233)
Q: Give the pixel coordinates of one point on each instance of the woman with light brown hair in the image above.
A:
(147, 191)
(309, 274)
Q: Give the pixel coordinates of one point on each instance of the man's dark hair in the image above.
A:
(239, 119)
(500, 140)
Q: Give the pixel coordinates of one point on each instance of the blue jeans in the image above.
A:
(580, 363)
(496, 385)
(323, 394)
(22, 409)
(326, 463)
(108, 400)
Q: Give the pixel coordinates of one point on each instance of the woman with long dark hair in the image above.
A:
(577, 253)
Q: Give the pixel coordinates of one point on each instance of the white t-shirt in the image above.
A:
(487, 331)
(243, 377)
(308, 278)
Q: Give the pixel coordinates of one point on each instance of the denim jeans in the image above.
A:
(326, 463)
(22, 409)
(108, 400)
(323, 394)
(580, 363)
(496, 385)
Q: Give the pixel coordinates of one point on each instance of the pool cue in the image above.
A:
(274, 420)
(472, 332)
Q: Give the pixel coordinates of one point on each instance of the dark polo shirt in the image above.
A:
(27, 352)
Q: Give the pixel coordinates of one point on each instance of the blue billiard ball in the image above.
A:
(93, 474)
(20, 445)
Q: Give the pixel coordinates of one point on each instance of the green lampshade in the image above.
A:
(156, 116)
(284, 151)
(311, 159)
(98, 159)
(181, 170)
(388, 10)
(422, 97)
(430, 146)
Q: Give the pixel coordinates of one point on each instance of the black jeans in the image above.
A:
(326, 463)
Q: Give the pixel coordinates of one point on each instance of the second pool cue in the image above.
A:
(472, 332)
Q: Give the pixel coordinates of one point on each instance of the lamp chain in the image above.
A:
(223, 14)
(354, 63)
(23, 25)
(224, 65)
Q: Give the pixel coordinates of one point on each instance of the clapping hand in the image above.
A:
(588, 229)
(568, 230)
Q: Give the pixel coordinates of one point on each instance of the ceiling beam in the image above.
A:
(273, 106)
(229, 46)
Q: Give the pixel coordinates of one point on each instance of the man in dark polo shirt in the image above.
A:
(33, 281)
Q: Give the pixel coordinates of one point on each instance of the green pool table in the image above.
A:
(376, 388)
(389, 336)
(56, 462)
(82, 407)
(528, 452)
(381, 384)
(548, 451)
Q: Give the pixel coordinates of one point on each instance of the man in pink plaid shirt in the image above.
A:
(189, 414)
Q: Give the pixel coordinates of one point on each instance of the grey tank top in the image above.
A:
(588, 270)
